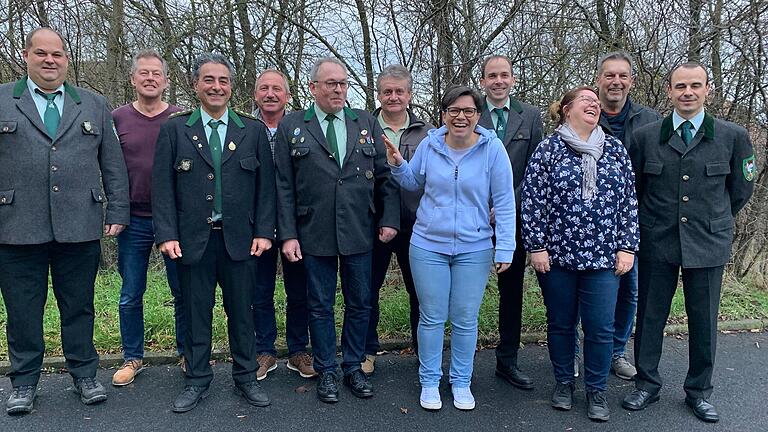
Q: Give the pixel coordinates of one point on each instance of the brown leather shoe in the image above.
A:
(369, 364)
(302, 363)
(267, 363)
(127, 372)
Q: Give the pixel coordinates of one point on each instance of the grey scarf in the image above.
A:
(590, 152)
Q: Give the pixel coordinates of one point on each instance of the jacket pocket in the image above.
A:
(467, 225)
(303, 211)
(368, 150)
(718, 169)
(6, 197)
(250, 163)
(7, 126)
(653, 168)
(721, 224)
(299, 152)
(440, 227)
(98, 196)
(522, 135)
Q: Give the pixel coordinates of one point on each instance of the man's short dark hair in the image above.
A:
(688, 65)
(490, 59)
(211, 58)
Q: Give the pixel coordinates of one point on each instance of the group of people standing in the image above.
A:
(611, 208)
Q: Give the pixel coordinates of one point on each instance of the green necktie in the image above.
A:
(51, 116)
(330, 137)
(215, 144)
(500, 123)
(685, 132)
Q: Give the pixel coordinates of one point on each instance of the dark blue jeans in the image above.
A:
(624, 317)
(593, 292)
(134, 246)
(296, 313)
(321, 295)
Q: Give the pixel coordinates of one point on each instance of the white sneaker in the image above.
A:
(430, 398)
(462, 398)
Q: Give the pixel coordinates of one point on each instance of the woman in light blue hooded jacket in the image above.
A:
(465, 171)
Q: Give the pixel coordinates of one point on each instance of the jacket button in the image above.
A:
(209, 220)
(209, 197)
(341, 181)
(2, 200)
(685, 198)
(54, 168)
(210, 176)
(5, 128)
(684, 219)
(53, 148)
(686, 178)
(55, 188)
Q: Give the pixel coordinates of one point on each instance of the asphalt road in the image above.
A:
(741, 389)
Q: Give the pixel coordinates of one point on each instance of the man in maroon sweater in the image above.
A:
(138, 125)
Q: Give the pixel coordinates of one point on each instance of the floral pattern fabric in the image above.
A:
(579, 234)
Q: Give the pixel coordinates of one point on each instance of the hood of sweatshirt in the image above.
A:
(436, 141)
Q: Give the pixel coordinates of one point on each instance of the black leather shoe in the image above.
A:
(253, 393)
(90, 390)
(562, 397)
(514, 376)
(327, 388)
(703, 410)
(597, 406)
(358, 383)
(22, 400)
(639, 400)
(189, 398)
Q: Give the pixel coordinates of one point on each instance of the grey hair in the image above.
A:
(398, 72)
(275, 71)
(616, 55)
(28, 38)
(211, 58)
(321, 61)
(147, 53)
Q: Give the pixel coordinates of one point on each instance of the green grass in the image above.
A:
(740, 300)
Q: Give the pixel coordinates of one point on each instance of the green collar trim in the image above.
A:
(310, 112)
(707, 126)
(21, 85)
(194, 117)
(236, 118)
(514, 104)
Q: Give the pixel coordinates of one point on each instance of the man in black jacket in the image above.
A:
(213, 201)
(334, 196)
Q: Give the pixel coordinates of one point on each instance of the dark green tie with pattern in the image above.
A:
(500, 123)
(330, 137)
(685, 132)
(214, 142)
(51, 116)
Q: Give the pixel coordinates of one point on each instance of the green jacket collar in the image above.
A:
(195, 117)
(514, 105)
(707, 127)
(310, 112)
(21, 85)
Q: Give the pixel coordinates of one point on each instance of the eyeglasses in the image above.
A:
(454, 112)
(588, 100)
(331, 85)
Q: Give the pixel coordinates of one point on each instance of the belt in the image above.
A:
(216, 225)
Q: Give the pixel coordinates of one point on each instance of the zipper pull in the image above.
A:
(456, 173)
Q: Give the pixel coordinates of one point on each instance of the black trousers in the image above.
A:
(198, 288)
(24, 284)
(657, 283)
(382, 254)
(510, 285)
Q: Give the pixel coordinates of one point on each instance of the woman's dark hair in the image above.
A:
(455, 92)
(556, 109)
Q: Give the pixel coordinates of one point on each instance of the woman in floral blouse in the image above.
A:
(579, 216)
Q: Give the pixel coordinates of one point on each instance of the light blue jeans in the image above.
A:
(449, 287)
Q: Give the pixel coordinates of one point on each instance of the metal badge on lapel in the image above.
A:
(194, 138)
(231, 146)
(364, 132)
(296, 132)
(87, 127)
(368, 174)
(184, 165)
